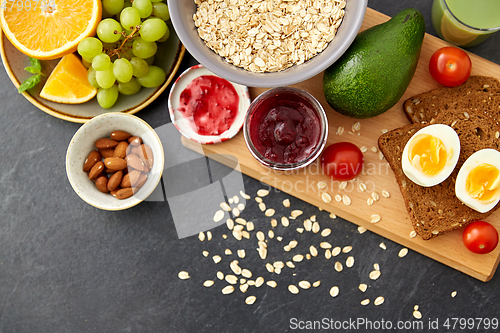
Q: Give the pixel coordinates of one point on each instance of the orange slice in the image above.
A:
(68, 82)
(50, 29)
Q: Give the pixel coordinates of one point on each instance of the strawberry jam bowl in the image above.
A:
(285, 128)
(206, 108)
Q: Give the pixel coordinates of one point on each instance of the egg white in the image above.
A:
(451, 143)
(490, 156)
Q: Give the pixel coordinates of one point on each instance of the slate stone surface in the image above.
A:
(68, 267)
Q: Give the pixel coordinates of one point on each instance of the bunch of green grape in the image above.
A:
(120, 58)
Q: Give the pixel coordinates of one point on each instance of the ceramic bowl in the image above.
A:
(168, 57)
(186, 126)
(181, 13)
(82, 144)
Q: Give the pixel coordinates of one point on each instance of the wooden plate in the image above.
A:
(170, 52)
(395, 223)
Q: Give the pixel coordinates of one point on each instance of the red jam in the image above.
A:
(212, 102)
(285, 128)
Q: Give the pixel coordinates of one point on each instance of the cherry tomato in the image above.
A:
(342, 161)
(480, 237)
(450, 66)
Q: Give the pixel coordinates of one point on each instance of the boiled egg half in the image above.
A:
(431, 154)
(478, 181)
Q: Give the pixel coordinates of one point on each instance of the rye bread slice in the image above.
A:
(477, 94)
(436, 210)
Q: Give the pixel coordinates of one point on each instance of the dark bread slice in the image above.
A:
(436, 210)
(477, 94)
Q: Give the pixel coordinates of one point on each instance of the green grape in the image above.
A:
(140, 66)
(160, 10)
(113, 7)
(165, 36)
(144, 7)
(109, 30)
(107, 97)
(129, 18)
(144, 49)
(131, 87)
(150, 60)
(105, 78)
(101, 62)
(89, 48)
(155, 77)
(91, 78)
(86, 64)
(153, 29)
(122, 69)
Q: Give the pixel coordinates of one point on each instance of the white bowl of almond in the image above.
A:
(114, 161)
(266, 43)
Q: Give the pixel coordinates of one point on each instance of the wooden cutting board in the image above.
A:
(395, 223)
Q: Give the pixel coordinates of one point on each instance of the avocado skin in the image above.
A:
(373, 74)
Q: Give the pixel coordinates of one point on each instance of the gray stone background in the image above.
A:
(68, 267)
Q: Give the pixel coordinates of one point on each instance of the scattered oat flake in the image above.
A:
(183, 275)
(270, 212)
(216, 259)
(361, 230)
(241, 253)
(336, 251)
(225, 206)
(338, 266)
(227, 290)
(333, 216)
(363, 287)
(259, 281)
(286, 203)
(369, 202)
(313, 250)
(453, 294)
(236, 211)
(325, 245)
(304, 284)
(270, 234)
(363, 149)
(375, 218)
(328, 254)
(262, 192)
(296, 213)
(315, 227)
(343, 185)
(272, 283)
(346, 200)
(340, 130)
(250, 300)
(417, 314)
(347, 249)
(326, 232)
(220, 275)
(246, 273)
(338, 197)
(290, 264)
(376, 267)
(245, 196)
(327, 198)
(384, 131)
(379, 300)
(374, 149)
(293, 289)
(308, 225)
(382, 246)
(205, 253)
(208, 283)
(250, 226)
(300, 230)
(403, 252)
(349, 261)
(262, 206)
(231, 279)
(374, 274)
(413, 234)
(362, 187)
(321, 185)
(228, 252)
(386, 194)
(219, 215)
(365, 301)
(298, 258)
(334, 291)
(316, 284)
(258, 199)
(284, 221)
(274, 223)
(224, 236)
(375, 196)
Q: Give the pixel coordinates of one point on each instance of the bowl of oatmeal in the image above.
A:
(267, 43)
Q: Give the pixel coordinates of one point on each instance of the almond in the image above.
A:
(96, 170)
(130, 179)
(106, 152)
(92, 159)
(134, 162)
(135, 141)
(133, 150)
(121, 150)
(146, 154)
(142, 180)
(120, 135)
(105, 143)
(115, 163)
(102, 184)
(124, 193)
(115, 180)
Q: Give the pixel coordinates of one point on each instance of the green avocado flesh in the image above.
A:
(373, 74)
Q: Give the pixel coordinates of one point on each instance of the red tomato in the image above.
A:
(450, 66)
(342, 161)
(480, 237)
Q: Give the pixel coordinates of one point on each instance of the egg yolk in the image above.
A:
(483, 182)
(427, 154)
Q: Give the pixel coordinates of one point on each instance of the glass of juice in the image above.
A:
(465, 22)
